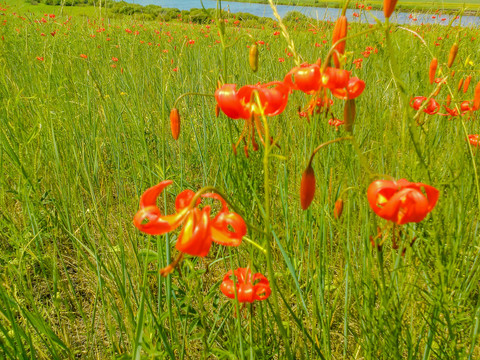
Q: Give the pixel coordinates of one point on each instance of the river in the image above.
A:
(313, 12)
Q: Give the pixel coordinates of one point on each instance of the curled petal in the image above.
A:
(305, 78)
(230, 103)
(221, 232)
(353, 90)
(402, 201)
(184, 199)
(249, 288)
(335, 78)
(149, 218)
(195, 238)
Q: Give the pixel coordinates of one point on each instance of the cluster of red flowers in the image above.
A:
(312, 79)
(199, 231)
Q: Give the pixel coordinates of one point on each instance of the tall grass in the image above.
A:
(81, 140)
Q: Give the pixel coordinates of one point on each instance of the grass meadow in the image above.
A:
(85, 130)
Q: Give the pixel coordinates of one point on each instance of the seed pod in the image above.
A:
(339, 32)
(452, 55)
(307, 187)
(338, 209)
(433, 69)
(476, 97)
(175, 123)
(466, 84)
(349, 113)
(460, 83)
(253, 57)
(388, 7)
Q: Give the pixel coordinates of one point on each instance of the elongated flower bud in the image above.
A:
(253, 57)
(476, 98)
(307, 187)
(338, 209)
(389, 7)
(175, 123)
(433, 69)
(349, 113)
(452, 55)
(466, 84)
(460, 84)
(449, 99)
(339, 32)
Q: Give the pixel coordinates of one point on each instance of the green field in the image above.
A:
(85, 98)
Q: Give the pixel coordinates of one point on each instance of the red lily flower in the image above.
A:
(354, 89)
(474, 140)
(241, 104)
(432, 108)
(249, 287)
(305, 78)
(401, 201)
(199, 230)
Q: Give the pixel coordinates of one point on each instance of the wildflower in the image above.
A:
(432, 108)
(353, 89)
(114, 59)
(473, 139)
(401, 201)
(83, 56)
(199, 230)
(248, 287)
(40, 58)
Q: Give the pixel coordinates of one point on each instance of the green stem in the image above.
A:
(190, 93)
(267, 235)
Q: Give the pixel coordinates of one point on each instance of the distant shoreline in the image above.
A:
(449, 8)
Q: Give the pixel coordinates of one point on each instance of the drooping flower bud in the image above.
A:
(476, 97)
(389, 7)
(253, 57)
(466, 84)
(307, 187)
(338, 209)
(339, 32)
(349, 113)
(175, 123)
(452, 55)
(433, 69)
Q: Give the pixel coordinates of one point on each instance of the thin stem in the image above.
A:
(267, 235)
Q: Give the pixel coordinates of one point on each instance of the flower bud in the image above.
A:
(175, 123)
(339, 32)
(307, 187)
(449, 99)
(433, 69)
(476, 97)
(349, 113)
(466, 84)
(452, 55)
(388, 7)
(460, 83)
(338, 209)
(253, 57)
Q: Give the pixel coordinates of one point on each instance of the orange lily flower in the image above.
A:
(401, 201)
(249, 287)
(199, 229)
